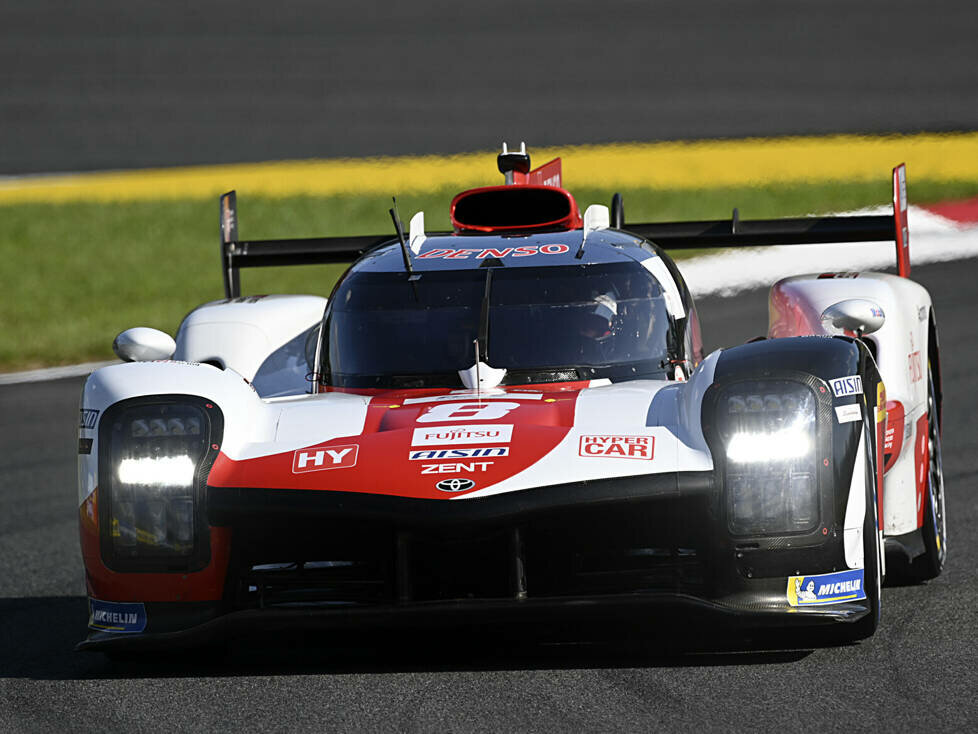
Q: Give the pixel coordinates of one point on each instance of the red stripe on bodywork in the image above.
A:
(383, 464)
(104, 583)
(921, 465)
(893, 438)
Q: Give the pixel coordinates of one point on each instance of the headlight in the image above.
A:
(154, 460)
(768, 432)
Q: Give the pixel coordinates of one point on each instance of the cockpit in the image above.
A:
(540, 324)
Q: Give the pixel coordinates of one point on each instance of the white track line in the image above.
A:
(932, 239)
(53, 373)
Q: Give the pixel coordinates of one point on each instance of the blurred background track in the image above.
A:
(112, 84)
(115, 84)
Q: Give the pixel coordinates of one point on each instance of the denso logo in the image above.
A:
(441, 435)
(617, 447)
(327, 457)
(480, 254)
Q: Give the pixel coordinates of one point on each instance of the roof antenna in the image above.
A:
(510, 164)
(400, 236)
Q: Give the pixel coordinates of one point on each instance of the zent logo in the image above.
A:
(446, 435)
(843, 386)
(455, 485)
(456, 467)
(466, 412)
(617, 447)
(320, 459)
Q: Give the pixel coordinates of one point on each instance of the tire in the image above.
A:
(934, 531)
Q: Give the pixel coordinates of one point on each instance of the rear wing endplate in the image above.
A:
(237, 254)
(734, 232)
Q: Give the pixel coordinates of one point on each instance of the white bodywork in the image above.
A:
(258, 426)
(268, 409)
(262, 338)
(902, 358)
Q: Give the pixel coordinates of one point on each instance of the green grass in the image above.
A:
(74, 275)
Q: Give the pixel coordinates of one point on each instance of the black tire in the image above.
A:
(930, 564)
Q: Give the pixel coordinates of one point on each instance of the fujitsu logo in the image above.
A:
(326, 457)
(442, 435)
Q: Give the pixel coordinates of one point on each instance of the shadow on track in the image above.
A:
(38, 636)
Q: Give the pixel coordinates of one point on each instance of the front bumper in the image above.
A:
(617, 557)
(612, 616)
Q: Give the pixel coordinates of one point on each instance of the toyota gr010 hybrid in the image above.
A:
(514, 421)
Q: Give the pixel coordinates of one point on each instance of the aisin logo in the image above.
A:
(456, 484)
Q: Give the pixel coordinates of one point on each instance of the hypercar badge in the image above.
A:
(456, 484)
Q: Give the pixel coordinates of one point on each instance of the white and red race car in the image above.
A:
(514, 421)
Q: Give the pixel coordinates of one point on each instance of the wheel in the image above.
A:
(930, 564)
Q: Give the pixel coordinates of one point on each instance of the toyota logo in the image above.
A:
(455, 484)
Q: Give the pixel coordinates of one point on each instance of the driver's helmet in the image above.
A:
(598, 323)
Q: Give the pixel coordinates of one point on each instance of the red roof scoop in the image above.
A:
(530, 200)
(521, 208)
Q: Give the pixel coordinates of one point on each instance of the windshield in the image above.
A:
(541, 324)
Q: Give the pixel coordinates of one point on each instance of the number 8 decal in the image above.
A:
(467, 412)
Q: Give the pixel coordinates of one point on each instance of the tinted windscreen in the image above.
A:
(537, 319)
(588, 315)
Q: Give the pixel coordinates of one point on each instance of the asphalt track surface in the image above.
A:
(101, 84)
(918, 672)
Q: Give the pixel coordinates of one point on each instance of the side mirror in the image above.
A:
(142, 344)
(857, 316)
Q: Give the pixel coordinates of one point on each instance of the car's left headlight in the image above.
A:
(768, 433)
(154, 456)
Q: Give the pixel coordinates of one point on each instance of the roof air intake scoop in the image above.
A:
(515, 209)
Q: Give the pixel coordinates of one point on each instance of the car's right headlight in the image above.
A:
(768, 431)
(154, 457)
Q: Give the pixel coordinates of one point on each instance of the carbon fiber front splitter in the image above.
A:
(583, 613)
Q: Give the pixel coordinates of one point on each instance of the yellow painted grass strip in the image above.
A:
(675, 165)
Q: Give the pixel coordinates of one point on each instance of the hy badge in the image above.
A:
(326, 457)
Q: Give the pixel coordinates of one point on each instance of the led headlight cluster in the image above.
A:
(152, 475)
(768, 431)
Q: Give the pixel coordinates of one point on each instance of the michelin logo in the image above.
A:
(110, 616)
(826, 588)
(844, 386)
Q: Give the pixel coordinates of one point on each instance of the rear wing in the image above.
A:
(734, 232)
(237, 254)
